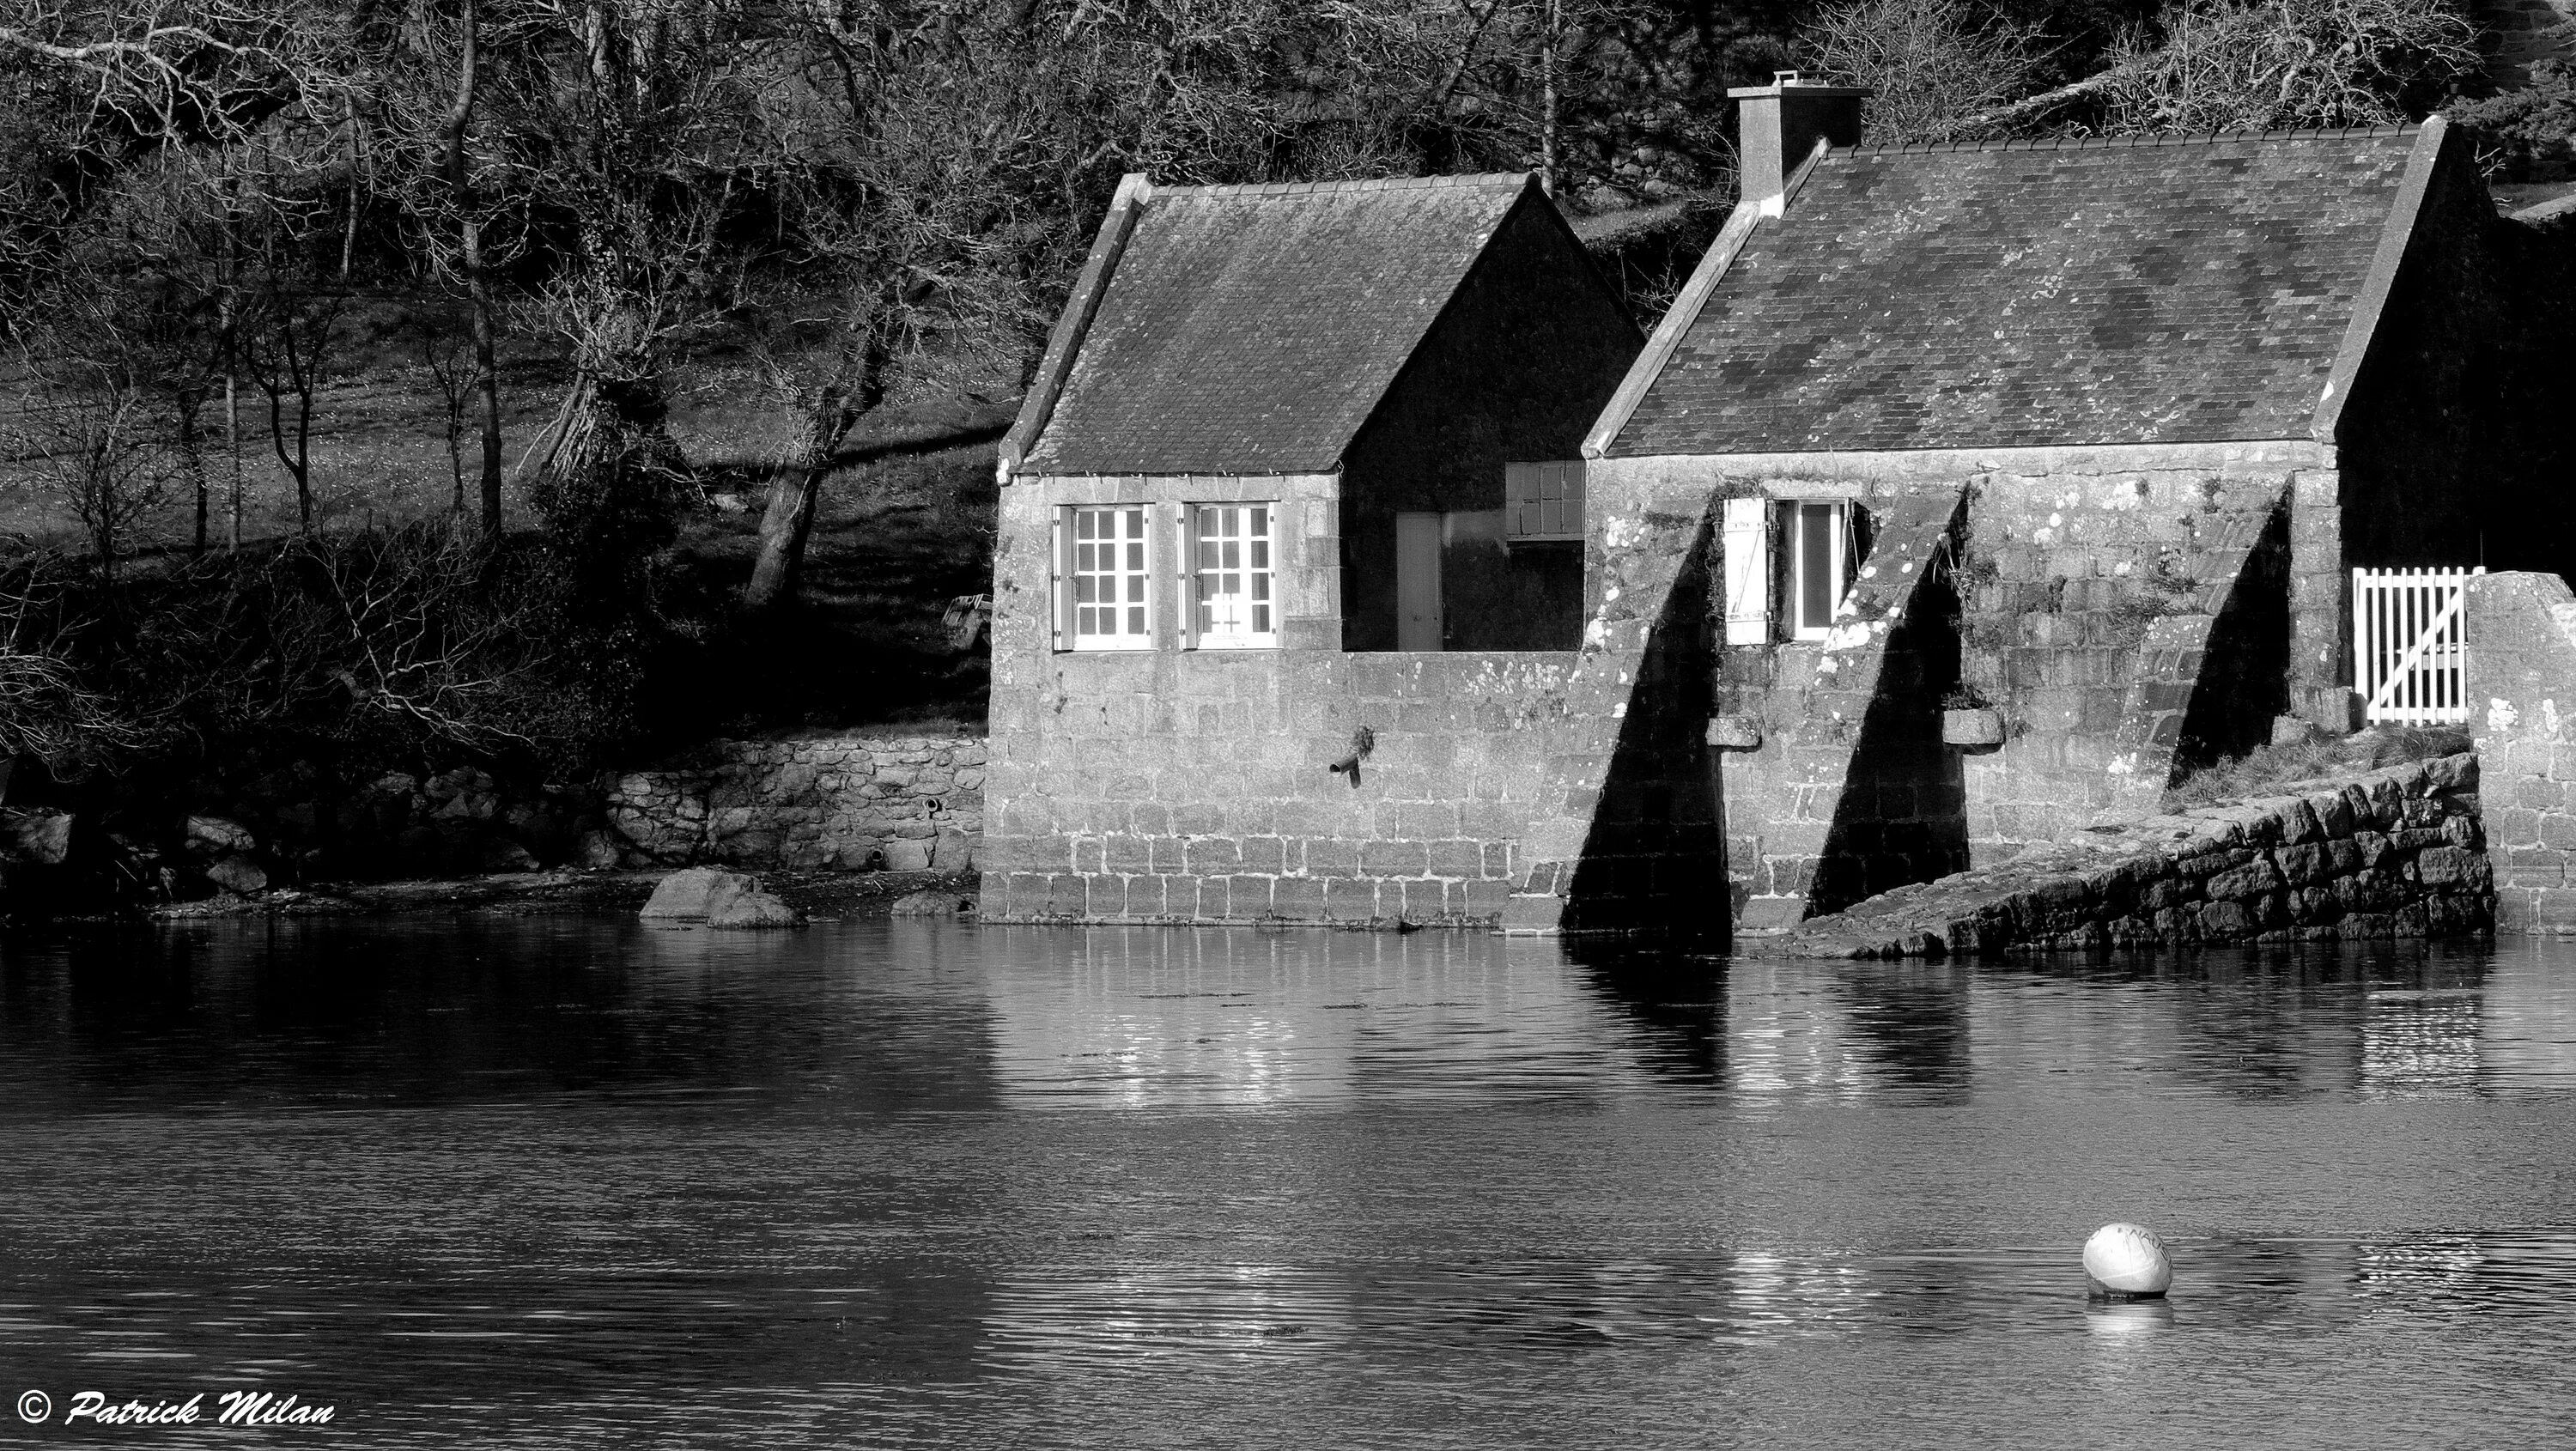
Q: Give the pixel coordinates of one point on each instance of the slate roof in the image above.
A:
(1252, 329)
(2151, 291)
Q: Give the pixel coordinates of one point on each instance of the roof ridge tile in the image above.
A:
(2064, 142)
(1495, 180)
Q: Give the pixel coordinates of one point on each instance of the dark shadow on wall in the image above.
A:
(1902, 816)
(1655, 859)
(2244, 679)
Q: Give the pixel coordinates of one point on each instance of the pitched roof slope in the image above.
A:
(1252, 329)
(2162, 291)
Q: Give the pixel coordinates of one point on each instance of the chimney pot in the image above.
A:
(1778, 124)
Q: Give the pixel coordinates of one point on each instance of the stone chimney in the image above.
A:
(1778, 124)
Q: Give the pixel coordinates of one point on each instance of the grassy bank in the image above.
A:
(896, 537)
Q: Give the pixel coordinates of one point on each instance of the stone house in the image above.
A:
(1293, 489)
(2086, 434)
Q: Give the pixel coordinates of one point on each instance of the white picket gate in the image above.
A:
(2410, 647)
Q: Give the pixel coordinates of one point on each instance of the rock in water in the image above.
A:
(36, 838)
(2127, 1261)
(217, 835)
(739, 902)
(683, 895)
(508, 856)
(929, 904)
(238, 874)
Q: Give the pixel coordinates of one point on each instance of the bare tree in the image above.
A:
(448, 360)
(286, 344)
(1930, 65)
(469, 253)
(47, 710)
(2230, 65)
(89, 431)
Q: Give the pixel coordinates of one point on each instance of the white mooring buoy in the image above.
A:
(2127, 1262)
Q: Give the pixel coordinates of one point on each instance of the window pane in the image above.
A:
(1135, 620)
(1085, 523)
(1815, 566)
(1135, 523)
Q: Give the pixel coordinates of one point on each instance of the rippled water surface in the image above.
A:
(551, 1182)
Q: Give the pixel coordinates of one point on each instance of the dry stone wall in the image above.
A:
(2392, 853)
(904, 803)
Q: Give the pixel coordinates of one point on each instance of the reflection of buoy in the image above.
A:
(2127, 1262)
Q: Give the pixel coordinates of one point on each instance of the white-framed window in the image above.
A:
(1234, 598)
(1787, 565)
(1104, 586)
(1543, 502)
(1815, 535)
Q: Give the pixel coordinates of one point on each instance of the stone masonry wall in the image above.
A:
(2522, 699)
(1537, 790)
(2093, 587)
(2092, 584)
(1851, 792)
(904, 803)
(2392, 853)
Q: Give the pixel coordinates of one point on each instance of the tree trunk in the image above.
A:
(304, 456)
(349, 234)
(232, 353)
(1547, 100)
(784, 527)
(232, 444)
(192, 457)
(486, 380)
(789, 520)
(478, 288)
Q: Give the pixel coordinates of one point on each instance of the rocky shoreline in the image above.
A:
(820, 896)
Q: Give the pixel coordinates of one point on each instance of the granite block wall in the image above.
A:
(846, 801)
(2131, 609)
(1851, 791)
(2093, 590)
(2388, 853)
(2522, 696)
(1534, 790)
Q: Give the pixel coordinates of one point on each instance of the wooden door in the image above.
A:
(1417, 581)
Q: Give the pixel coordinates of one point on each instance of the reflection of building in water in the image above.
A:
(1784, 1037)
(1083, 1321)
(2418, 1042)
(2527, 1039)
(1155, 1018)
(2478, 1272)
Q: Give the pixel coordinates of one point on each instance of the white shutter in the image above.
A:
(1185, 590)
(1745, 539)
(1059, 597)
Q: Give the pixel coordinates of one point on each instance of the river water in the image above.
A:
(563, 1182)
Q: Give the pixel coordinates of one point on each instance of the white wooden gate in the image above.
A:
(2410, 648)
